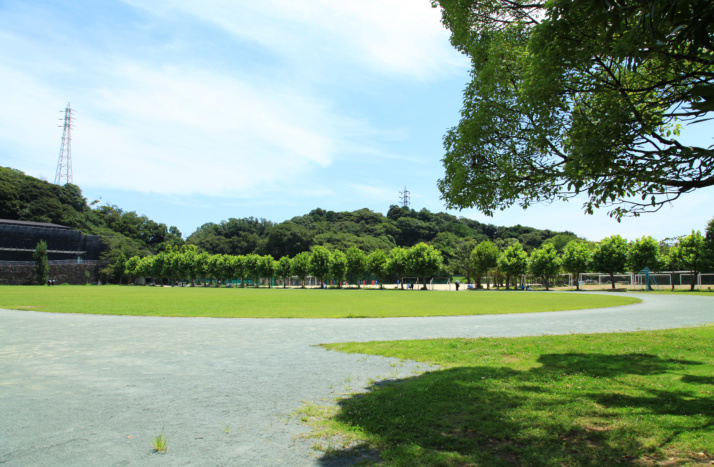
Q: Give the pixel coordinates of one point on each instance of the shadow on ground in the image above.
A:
(573, 409)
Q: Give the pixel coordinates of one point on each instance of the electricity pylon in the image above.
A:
(64, 163)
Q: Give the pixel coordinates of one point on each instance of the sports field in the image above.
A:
(291, 303)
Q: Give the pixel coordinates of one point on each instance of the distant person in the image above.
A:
(457, 285)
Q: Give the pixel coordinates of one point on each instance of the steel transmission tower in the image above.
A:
(404, 198)
(64, 163)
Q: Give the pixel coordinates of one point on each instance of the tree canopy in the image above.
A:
(484, 257)
(545, 262)
(574, 97)
(610, 256)
(576, 259)
(513, 262)
(42, 267)
(691, 254)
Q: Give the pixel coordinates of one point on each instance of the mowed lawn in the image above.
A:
(290, 303)
(639, 398)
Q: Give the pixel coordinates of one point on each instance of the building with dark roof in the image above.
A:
(18, 240)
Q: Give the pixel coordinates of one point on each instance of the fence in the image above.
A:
(56, 262)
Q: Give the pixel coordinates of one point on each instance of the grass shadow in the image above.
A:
(571, 409)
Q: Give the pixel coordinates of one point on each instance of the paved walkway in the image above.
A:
(94, 390)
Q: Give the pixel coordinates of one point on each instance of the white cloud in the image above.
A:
(384, 36)
(181, 131)
(29, 121)
(185, 124)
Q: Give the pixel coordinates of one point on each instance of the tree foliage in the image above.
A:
(362, 229)
(42, 266)
(644, 252)
(423, 261)
(377, 265)
(266, 268)
(611, 256)
(546, 263)
(252, 267)
(283, 269)
(320, 262)
(301, 266)
(691, 254)
(339, 265)
(576, 97)
(576, 259)
(513, 262)
(484, 257)
(356, 263)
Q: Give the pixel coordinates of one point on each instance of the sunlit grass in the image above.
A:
(290, 303)
(644, 398)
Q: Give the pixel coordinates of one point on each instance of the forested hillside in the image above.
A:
(27, 198)
(363, 228)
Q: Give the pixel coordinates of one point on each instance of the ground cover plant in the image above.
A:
(290, 303)
(160, 443)
(642, 398)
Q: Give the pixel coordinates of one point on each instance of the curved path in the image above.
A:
(95, 390)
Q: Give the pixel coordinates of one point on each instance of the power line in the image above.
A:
(64, 163)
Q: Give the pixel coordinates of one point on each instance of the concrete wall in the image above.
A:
(61, 273)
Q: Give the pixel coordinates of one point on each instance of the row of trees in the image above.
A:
(186, 264)
(613, 255)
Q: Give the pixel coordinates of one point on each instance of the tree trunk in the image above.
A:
(612, 280)
(508, 280)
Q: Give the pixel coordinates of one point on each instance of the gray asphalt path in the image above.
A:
(95, 390)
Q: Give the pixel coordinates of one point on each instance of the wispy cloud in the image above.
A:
(173, 117)
(382, 36)
(182, 131)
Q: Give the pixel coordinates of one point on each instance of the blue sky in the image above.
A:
(193, 112)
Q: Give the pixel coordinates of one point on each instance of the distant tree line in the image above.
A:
(506, 266)
(466, 247)
(613, 255)
(187, 265)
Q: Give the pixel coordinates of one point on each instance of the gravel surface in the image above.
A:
(95, 390)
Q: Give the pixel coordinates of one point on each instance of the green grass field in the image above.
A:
(643, 398)
(290, 303)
